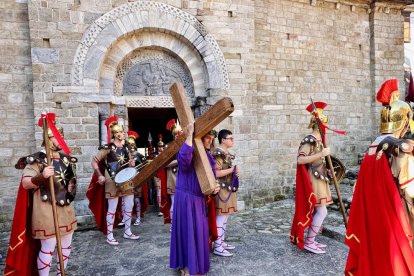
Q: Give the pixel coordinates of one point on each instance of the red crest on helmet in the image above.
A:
(170, 124)
(320, 105)
(51, 124)
(385, 92)
(133, 134)
(49, 116)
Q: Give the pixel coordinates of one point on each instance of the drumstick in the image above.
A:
(139, 166)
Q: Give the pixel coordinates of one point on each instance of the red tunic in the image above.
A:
(165, 198)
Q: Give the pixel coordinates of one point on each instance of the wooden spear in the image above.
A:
(328, 158)
(52, 192)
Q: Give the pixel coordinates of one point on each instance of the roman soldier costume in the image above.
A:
(160, 177)
(33, 219)
(168, 190)
(141, 192)
(110, 160)
(383, 197)
(312, 184)
(225, 201)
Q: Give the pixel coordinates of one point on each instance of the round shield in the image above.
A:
(339, 169)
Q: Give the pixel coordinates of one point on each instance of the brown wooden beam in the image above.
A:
(162, 160)
(212, 117)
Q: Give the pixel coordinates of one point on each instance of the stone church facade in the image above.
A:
(88, 60)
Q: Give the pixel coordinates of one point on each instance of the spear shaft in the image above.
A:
(53, 199)
(328, 158)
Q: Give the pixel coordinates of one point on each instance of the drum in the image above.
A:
(123, 179)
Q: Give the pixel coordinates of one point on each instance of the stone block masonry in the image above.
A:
(70, 57)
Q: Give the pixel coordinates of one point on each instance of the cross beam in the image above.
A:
(211, 118)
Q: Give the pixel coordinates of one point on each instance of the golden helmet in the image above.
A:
(174, 127)
(319, 108)
(53, 131)
(160, 142)
(132, 135)
(395, 114)
(113, 128)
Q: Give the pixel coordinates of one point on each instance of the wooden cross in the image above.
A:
(211, 118)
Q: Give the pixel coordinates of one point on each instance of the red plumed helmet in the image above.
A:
(170, 124)
(384, 94)
(110, 121)
(133, 134)
(53, 130)
(160, 142)
(50, 116)
(318, 105)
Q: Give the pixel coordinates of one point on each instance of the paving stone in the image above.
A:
(259, 251)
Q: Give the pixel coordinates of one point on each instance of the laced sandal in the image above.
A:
(223, 253)
(313, 248)
(320, 245)
(112, 241)
(228, 246)
(131, 236)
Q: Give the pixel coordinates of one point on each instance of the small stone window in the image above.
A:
(407, 29)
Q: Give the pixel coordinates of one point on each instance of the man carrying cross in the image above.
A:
(199, 165)
(190, 236)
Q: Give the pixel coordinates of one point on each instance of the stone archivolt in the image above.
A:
(182, 35)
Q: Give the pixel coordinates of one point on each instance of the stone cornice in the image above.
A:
(379, 5)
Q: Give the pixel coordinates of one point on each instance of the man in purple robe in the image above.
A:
(189, 250)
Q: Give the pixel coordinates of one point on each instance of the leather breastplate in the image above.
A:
(225, 181)
(318, 167)
(65, 173)
(116, 160)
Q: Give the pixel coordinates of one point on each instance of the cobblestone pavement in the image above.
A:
(261, 237)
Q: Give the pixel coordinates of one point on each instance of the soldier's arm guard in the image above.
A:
(71, 195)
(39, 179)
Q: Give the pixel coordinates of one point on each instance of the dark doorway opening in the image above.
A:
(151, 120)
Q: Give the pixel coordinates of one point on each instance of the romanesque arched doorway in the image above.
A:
(131, 55)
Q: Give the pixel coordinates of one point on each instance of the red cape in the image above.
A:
(378, 233)
(212, 224)
(98, 203)
(144, 199)
(165, 199)
(23, 249)
(305, 201)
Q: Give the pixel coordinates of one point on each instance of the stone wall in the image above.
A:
(268, 56)
(337, 53)
(16, 101)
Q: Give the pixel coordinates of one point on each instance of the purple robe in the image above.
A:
(189, 235)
